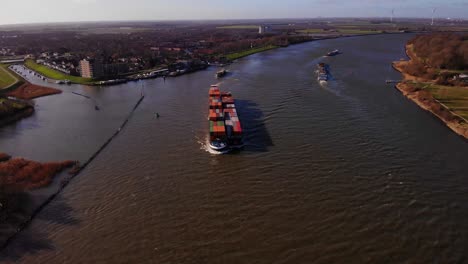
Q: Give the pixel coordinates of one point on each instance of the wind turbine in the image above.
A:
(433, 12)
(393, 13)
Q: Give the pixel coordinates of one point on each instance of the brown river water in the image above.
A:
(349, 172)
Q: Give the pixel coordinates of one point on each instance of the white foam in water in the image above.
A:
(205, 145)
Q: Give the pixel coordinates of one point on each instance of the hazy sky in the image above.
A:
(27, 11)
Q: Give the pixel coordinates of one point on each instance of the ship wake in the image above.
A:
(205, 145)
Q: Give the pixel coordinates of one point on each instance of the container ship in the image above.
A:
(333, 53)
(225, 126)
(322, 72)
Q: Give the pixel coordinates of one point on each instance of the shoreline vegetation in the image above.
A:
(29, 91)
(434, 89)
(18, 177)
(245, 53)
(19, 174)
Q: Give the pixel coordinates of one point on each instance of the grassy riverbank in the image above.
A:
(7, 79)
(238, 55)
(448, 103)
(56, 75)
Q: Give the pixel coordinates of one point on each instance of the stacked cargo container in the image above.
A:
(216, 115)
(223, 118)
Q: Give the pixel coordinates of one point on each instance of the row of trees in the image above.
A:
(437, 55)
(443, 50)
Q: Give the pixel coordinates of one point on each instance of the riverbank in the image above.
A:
(238, 55)
(29, 91)
(421, 91)
(7, 79)
(23, 174)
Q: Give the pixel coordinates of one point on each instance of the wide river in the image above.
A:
(349, 172)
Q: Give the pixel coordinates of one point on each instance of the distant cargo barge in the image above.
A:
(333, 53)
(323, 73)
(224, 123)
(221, 73)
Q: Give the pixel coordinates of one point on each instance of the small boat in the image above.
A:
(221, 73)
(333, 53)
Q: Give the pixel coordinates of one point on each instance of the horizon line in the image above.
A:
(215, 19)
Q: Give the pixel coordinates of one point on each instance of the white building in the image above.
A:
(263, 29)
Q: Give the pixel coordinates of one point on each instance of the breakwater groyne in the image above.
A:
(64, 183)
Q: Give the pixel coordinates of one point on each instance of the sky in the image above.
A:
(32, 11)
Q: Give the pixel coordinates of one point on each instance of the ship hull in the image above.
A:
(218, 146)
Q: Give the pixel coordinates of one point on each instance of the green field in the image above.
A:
(7, 78)
(347, 30)
(358, 31)
(53, 74)
(239, 27)
(312, 30)
(237, 55)
(453, 97)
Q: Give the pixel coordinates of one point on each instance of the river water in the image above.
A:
(350, 172)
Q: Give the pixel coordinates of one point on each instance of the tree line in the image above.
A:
(436, 55)
(443, 50)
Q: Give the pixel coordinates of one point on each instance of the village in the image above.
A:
(117, 51)
(134, 52)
